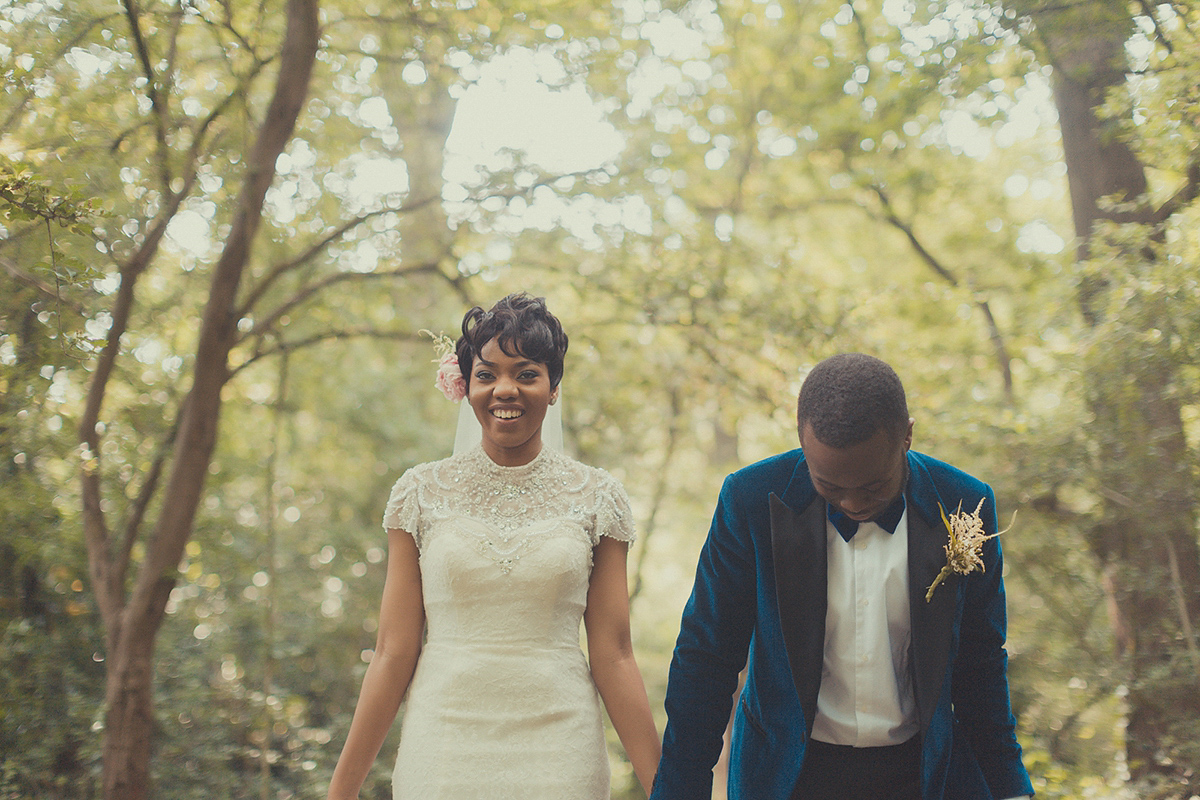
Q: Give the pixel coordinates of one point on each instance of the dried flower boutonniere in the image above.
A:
(964, 550)
(449, 376)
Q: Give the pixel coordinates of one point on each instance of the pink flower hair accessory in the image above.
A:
(450, 380)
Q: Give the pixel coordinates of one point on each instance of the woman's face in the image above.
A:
(509, 395)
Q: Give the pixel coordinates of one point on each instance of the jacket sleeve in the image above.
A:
(711, 650)
(980, 678)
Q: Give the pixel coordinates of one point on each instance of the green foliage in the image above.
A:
(25, 197)
(796, 184)
(49, 679)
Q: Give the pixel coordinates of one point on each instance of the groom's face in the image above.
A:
(861, 480)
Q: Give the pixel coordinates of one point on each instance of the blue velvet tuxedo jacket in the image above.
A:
(760, 596)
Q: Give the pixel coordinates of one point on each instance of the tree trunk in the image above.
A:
(129, 708)
(132, 625)
(423, 115)
(1145, 541)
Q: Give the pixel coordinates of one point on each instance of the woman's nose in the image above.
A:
(505, 387)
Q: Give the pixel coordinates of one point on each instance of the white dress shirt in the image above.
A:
(866, 696)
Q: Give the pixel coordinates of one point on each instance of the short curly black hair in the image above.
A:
(521, 325)
(847, 398)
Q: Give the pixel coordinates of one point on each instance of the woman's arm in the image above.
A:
(610, 651)
(401, 626)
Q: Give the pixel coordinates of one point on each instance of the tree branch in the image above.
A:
(157, 103)
(1003, 360)
(660, 492)
(107, 584)
(226, 23)
(198, 421)
(1185, 621)
(138, 509)
(325, 336)
(1159, 33)
(1186, 194)
(267, 325)
(1060, 7)
(50, 292)
(318, 247)
(65, 46)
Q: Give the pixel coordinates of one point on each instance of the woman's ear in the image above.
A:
(554, 396)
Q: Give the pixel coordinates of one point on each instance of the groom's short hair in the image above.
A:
(847, 398)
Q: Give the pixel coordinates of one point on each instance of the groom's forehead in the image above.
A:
(852, 467)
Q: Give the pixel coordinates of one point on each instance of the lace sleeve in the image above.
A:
(402, 510)
(613, 515)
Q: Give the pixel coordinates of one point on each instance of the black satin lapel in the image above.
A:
(933, 621)
(798, 548)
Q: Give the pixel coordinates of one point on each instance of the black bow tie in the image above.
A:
(888, 520)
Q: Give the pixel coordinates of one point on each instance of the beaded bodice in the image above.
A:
(506, 552)
(508, 501)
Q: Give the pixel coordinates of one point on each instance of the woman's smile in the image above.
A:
(510, 395)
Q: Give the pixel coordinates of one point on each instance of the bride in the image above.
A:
(495, 555)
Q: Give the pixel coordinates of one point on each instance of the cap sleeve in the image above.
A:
(613, 515)
(402, 510)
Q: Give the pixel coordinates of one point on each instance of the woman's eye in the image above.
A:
(483, 375)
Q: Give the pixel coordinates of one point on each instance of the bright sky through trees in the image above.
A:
(511, 106)
(520, 101)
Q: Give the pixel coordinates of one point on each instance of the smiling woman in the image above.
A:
(512, 360)
(510, 395)
(497, 554)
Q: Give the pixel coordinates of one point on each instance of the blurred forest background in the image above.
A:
(244, 212)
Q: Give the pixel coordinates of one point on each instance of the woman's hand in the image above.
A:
(397, 645)
(614, 668)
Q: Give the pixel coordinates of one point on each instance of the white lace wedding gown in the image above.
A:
(502, 704)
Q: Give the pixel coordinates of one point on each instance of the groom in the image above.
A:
(815, 571)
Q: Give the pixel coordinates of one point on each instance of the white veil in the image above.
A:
(468, 433)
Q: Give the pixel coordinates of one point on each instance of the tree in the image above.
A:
(795, 180)
(132, 617)
(132, 607)
(1137, 308)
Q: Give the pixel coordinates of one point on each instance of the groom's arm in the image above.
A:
(709, 654)
(980, 682)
